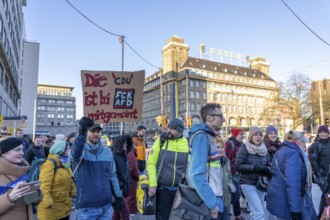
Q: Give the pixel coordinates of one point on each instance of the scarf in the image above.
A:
(253, 149)
(4, 189)
(65, 160)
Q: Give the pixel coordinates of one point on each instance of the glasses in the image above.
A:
(219, 115)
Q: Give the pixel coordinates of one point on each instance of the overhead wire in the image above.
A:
(305, 23)
(305, 67)
(122, 37)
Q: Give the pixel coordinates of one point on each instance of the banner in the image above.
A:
(113, 96)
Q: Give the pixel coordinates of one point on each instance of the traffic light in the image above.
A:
(159, 120)
(202, 48)
(189, 121)
(327, 121)
(164, 121)
(1, 119)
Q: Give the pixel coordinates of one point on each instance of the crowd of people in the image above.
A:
(87, 174)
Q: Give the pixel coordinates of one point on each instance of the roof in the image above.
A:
(213, 66)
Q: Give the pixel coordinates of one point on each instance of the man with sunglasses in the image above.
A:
(205, 159)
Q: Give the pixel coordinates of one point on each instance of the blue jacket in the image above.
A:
(95, 178)
(198, 165)
(284, 196)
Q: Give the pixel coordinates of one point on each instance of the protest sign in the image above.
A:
(113, 96)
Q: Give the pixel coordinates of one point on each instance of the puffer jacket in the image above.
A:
(319, 156)
(175, 162)
(283, 196)
(8, 173)
(58, 188)
(245, 165)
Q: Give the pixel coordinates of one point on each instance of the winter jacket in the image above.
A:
(272, 147)
(58, 188)
(245, 165)
(232, 148)
(123, 174)
(8, 173)
(225, 164)
(95, 179)
(34, 152)
(209, 189)
(319, 156)
(134, 172)
(141, 149)
(283, 196)
(175, 162)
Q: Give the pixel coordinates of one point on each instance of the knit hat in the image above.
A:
(254, 130)
(59, 137)
(9, 143)
(176, 124)
(323, 128)
(58, 148)
(236, 131)
(270, 128)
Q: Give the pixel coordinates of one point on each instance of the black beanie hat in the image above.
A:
(9, 143)
(176, 124)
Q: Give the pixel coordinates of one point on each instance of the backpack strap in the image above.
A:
(55, 164)
(163, 158)
(75, 170)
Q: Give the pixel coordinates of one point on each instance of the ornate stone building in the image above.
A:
(247, 95)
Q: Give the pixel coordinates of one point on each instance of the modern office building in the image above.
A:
(55, 110)
(29, 83)
(247, 94)
(321, 101)
(11, 50)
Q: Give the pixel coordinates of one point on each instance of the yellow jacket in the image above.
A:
(57, 190)
(174, 163)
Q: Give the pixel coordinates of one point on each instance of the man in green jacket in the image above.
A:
(165, 166)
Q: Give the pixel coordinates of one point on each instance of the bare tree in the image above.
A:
(295, 99)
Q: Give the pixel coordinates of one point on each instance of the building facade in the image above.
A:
(321, 101)
(29, 83)
(247, 94)
(11, 49)
(55, 110)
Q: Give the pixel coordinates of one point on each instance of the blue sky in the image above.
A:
(69, 43)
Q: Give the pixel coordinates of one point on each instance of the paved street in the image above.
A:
(316, 194)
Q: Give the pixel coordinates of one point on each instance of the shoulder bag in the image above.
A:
(187, 203)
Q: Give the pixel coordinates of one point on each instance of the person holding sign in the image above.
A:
(13, 178)
(94, 174)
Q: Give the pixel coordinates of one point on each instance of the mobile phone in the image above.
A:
(34, 186)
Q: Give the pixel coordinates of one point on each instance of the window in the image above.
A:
(51, 101)
(69, 116)
(197, 84)
(40, 116)
(204, 95)
(60, 116)
(192, 106)
(204, 84)
(51, 116)
(192, 94)
(191, 83)
(198, 107)
(197, 95)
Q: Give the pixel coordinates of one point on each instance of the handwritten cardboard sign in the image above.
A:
(113, 96)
